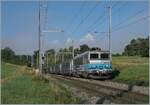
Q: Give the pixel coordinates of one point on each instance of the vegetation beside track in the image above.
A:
(28, 89)
(132, 70)
(8, 70)
(25, 88)
(94, 89)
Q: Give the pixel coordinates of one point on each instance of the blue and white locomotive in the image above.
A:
(93, 64)
(90, 64)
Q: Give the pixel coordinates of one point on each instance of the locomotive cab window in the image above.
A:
(104, 56)
(94, 56)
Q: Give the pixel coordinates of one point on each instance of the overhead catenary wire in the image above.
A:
(75, 15)
(96, 23)
(86, 17)
(129, 18)
(82, 21)
(102, 15)
(134, 22)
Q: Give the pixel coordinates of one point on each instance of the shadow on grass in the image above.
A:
(115, 73)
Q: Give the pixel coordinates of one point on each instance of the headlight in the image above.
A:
(107, 66)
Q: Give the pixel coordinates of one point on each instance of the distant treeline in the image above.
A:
(137, 47)
(8, 55)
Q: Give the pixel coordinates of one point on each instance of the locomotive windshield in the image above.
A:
(104, 56)
(94, 56)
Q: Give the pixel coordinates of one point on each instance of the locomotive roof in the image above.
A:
(92, 52)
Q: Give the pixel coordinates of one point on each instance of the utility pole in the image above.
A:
(41, 34)
(39, 39)
(55, 60)
(47, 60)
(37, 60)
(32, 60)
(110, 32)
(63, 56)
(72, 54)
(27, 58)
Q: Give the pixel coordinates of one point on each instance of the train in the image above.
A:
(90, 64)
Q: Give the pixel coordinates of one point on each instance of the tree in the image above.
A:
(50, 56)
(36, 59)
(95, 48)
(137, 47)
(65, 54)
(76, 51)
(145, 48)
(116, 55)
(70, 48)
(84, 48)
(50, 51)
(7, 54)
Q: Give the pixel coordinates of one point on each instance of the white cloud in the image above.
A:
(87, 38)
(69, 40)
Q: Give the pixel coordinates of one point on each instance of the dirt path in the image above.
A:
(18, 73)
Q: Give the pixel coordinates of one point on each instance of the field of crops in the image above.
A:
(132, 70)
(21, 88)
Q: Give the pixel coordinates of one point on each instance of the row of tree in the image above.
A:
(137, 47)
(8, 55)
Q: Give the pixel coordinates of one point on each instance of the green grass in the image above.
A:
(8, 70)
(25, 89)
(133, 70)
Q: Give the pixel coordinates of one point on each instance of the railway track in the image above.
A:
(116, 92)
(114, 85)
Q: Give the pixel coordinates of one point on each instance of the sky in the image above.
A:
(86, 22)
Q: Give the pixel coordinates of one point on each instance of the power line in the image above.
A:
(82, 21)
(90, 14)
(104, 16)
(75, 15)
(128, 18)
(100, 17)
(134, 22)
(95, 22)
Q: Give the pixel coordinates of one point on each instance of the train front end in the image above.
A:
(100, 65)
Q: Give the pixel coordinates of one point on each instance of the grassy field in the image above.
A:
(133, 70)
(8, 70)
(18, 87)
(22, 88)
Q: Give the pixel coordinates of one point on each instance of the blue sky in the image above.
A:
(20, 24)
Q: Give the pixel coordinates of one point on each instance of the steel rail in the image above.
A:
(113, 94)
(141, 90)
